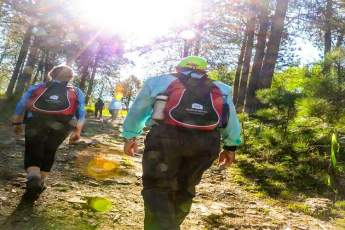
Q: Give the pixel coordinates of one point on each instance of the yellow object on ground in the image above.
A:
(100, 168)
(99, 204)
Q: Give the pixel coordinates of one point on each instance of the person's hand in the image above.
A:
(75, 136)
(18, 129)
(17, 122)
(131, 147)
(226, 158)
(17, 118)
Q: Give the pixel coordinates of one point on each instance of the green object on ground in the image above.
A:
(99, 204)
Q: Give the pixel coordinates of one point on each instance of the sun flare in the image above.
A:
(144, 19)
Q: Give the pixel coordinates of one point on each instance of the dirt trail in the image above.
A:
(220, 204)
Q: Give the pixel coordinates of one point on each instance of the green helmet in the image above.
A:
(193, 62)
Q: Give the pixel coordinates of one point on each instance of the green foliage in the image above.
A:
(302, 110)
(297, 207)
(340, 205)
(223, 74)
(334, 151)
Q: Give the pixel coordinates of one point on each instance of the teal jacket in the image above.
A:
(140, 113)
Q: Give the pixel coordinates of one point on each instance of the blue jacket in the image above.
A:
(140, 113)
(21, 105)
(115, 104)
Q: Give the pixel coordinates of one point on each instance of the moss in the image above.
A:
(298, 207)
(340, 205)
(287, 195)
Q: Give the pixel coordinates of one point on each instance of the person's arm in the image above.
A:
(138, 115)
(80, 115)
(18, 117)
(231, 135)
(22, 103)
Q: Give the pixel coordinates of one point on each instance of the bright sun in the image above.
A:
(144, 19)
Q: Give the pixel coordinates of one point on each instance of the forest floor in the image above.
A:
(221, 203)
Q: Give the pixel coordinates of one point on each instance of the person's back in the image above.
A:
(99, 104)
(99, 108)
(188, 113)
(114, 108)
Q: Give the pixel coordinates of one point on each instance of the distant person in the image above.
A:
(114, 107)
(99, 105)
(188, 113)
(51, 107)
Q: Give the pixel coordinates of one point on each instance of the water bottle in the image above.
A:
(159, 106)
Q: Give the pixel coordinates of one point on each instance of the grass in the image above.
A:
(299, 207)
(286, 184)
(282, 180)
(340, 205)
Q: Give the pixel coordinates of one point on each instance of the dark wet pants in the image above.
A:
(43, 136)
(173, 163)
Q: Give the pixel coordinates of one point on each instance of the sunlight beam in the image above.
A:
(142, 19)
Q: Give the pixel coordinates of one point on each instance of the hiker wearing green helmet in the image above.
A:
(188, 114)
(192, 62)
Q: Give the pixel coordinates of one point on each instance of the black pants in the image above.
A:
(98, 111)
(42, 139)
(173, 163)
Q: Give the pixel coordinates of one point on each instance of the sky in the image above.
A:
(143, 21)
(307, 52)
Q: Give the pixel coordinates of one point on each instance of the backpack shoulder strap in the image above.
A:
(72, 88)
(189, 82)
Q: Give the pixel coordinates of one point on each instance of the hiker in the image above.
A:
(188, 114)
(99, 108)
(114, 108)
(52, 108)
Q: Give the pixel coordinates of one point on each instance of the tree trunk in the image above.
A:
(101, 92)
(273, 45)
(340, 39)
(328, 26)
(251, 100)
(92, 78)
(20, 60)
(197, 43)
(246, 64)
(197, 47)
(3, 54)
(239, 68)
(186, 48)
(84, 76)
(25, 77)
(49, 63)
(39, 70)
(328, 33)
